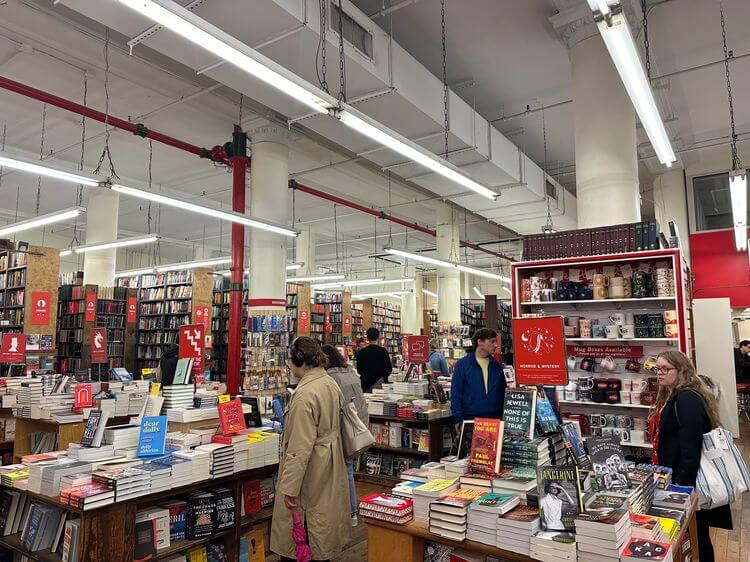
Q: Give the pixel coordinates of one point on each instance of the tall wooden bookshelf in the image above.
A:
(386, 317)
(220, 325)
(332, 317)
(298, 307)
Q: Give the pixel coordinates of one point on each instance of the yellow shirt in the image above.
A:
(484, 363)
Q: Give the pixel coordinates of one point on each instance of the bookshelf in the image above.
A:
(220, 325)
(358, 321)
(500, 318)
(386, 317)
(473, 314)
(332, 317)
(267, 335)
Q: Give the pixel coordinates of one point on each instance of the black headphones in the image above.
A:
(296, 356)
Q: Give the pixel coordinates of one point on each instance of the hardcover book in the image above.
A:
(546, 418)
(224, 508)
(231, 417)
(486, 445)
(559, 497)
(519, 412)
(92, 434)
(608, 461)
(182, 372)
(574, 446)
(251, 497)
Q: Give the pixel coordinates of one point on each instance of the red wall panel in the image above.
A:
(719, 269)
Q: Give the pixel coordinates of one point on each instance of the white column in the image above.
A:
(603, 122)
(305, 252)
(269, 199)
(419, 297)
(670, 204)
(449, 279)
(102, 210)
(410, 313)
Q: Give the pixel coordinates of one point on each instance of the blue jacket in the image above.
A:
(438, 363)
(469, 400)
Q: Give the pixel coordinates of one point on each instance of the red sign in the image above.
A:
(600, 351)
(192, 344)
(98, 345)
(539, 351)
(13, 349)
(40, 308)
(203, 316)
(231, 417)
(304, 323)
(417, 349)
(266, 303)
(327, 325)
(90, 307)
(347, 325)
(83, 396)
(132, 309)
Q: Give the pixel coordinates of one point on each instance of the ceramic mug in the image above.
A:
(548, 295)
(637, 436)
(585, 383)
(571, 395)
(536, 295)
(640, 424)
(625, 397)
(572, 320)
(633, 366)
(571, 362)
(627, 331)
(624, 435)
(627, 288)
(635, 397)
(584, 326)
(599, 331)
(588, 364)
(671, 331)
(600, 292)
(597, 421)
(670, 316)
(616, 292)
(536, 283)
(617, 281)
(608, 364)
(624, 422)
(617, 318)
(612, 332)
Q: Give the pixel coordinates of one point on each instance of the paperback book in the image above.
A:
(486, 446)
(608, 461)
(559, 497)
(519, 412)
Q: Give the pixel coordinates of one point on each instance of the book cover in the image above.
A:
(495, 503)
(251, 497)
(522, 514)
(92, 425)
(153, 436)
(256, 546)
(608, 461)
(145, 541)
(372, 463)
(574, 446)
(231, 417)
(486, 445)
(645, 549)
(177, 514)
(559, 497)
(182, 371)
(224, 508)
(519, 412)
(546, 418)
(201, 515)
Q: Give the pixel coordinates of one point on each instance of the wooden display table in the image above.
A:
(386, 539)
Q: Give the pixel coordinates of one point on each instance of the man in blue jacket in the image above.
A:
(478, 383)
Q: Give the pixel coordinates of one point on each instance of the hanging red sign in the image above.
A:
(98, 345)
(327, 325)
(132, 309)
(13, 349)
(600, 351)
(83, 396)
(40, 308)
(90, 307)
(539, 351)
(347, 325)
(416, 348)
(192, 344)
(304, 323)
(203, 316)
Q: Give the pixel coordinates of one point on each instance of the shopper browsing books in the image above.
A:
(312, 472)
(350, 386)
(168, 365)
(373, 361)
(478, 384)
(685, 409)
(438, 364)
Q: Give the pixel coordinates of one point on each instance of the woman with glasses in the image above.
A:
(685, 409)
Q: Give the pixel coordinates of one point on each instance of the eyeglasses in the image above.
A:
(665, 369)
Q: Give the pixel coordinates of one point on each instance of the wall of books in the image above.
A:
(220, 325)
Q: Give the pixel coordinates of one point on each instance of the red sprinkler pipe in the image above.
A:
(138, 129)
(385, 216)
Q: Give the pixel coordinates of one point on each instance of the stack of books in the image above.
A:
(405, 489)
(515, 529)
(200, 463)
(121, 436)
(388, 508)
(16, 478)
(646, 527)
(672, 500)
(88, 495)
(156, 519)
(182, 440)
(602, 535)
(205, 400)
(182, 414)
(517, 481)
(448, 515)
(204, 433)
(637, 550)
(181, 470)
(77, 479)
(475, 481)
(81, 453)
(456, 468)
(241, 455)
(44, 477)
(30, 394)
(414, 475)
(177, 396)
(428, 492)
(646, 480)
(127, 483)
(222, 459)
(525, 453)
(160, 476)
(553, 545)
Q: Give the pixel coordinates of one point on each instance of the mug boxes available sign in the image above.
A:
(231, 417)
(13, 348)
(153, 436)
(539, 348)
(40, 308)
(601, 351)
(519, 412)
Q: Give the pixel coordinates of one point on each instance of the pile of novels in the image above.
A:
(646, 480)
(381, 407)
(181, 469)
(127, 483)
(405, 489)
(204, 400)
(515, 529)
(121, 436)
(553, 545)
(160, 476)
(200, 463)
(448, 515)
(44, 476)
(646, 527)
(384, 507)
(129, 400)
(413, 388)
(601, 535)
(526, 453)
(672, 500)
(182, 440)
(428, 492)
(222, 459)
(455, 467)
(177, 396)
(15, 476)
(484, 515)
(185, 415)
(90, 454)
(87, 495)
(519, 481)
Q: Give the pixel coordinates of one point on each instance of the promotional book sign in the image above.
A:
(153, 436)
(231, 417)
(304, 323)
(90, 307)
(13, 348)
(83, 396)
(347, 325)
(417, 349)
(98, 345)
(191, 345)
(40, 308)
(519, 412)
(539, 349)
(486, 445)
(559, 497)
(132, 309)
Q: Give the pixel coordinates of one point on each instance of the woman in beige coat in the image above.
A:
(312, 472)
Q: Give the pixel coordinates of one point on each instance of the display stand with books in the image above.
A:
(334, 309)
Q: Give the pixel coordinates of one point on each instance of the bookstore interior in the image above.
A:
(514, 312)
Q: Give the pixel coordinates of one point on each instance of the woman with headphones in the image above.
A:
(312, 472)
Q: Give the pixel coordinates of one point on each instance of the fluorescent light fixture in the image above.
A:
(601, 5)
(135, 272)
(738, 193)
(8, 160)
(445, 263)
(430, 293)
(478, 293)
(294, 266)
(122, 243)
(228, 273)
(198, 31)
(507, 290)
(411, 150)
(621, 46)
(192, 264)
(312, 278)
(230, 216)
(42, 220)
(385, 294)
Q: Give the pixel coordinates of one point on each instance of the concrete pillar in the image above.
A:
(305, 252)
(270, 199)
(102, 210)
(670, 204)
(449, 279)
(419, 297)
(604, 124)
(410, 312)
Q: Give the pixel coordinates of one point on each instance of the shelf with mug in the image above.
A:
(600, 301)
(623, 340)
(603, 404)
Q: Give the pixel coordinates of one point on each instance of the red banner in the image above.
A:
(347, 325)
(416, 349)
(192, 344)
(600, 351)
(83, 396)
(90, 307)
(203, 316)
(40, 308)
(303, 328)
(539, 351)
(266, 303)
(132, 309)
(13, 349)
(327, 325)
(98, 345)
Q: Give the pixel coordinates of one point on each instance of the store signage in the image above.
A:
(224, 398)
(40, 308)
(90, 307)
(203, 316)
(132, 309)
(155, 387)
(266, 303)
(416, 349)
(98, 345)
(600, 351)
(83, 396)
(539, 351)
(191, 345)
(231, 417)
(13, 348)
(304, 323)
(347, 325)
(327, 325)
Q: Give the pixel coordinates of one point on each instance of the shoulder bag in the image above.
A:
(355, 435)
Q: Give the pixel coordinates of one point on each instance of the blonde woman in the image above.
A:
(685, 409)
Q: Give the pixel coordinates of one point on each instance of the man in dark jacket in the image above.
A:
(478, 384)
(168, 364)
(373, 361)
(742, 362)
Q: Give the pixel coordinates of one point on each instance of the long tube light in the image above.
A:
(478, 293)
(430, 293)
(619, 41)
(507, 290)
(738, 194)
(8, 160)
(384, 294)
(42, 220)
(313, 278)
(185, 205)
(294, 266)
(198, 31)
(445, 263)
(192, 264)
(122, 243)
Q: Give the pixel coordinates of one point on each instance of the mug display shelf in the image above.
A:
(622, 340)
(600, 301)
(604, 404)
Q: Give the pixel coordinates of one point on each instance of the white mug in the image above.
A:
(625, 397)
(618, 318)
(613, 332)
(608, 364)
(627, 331)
